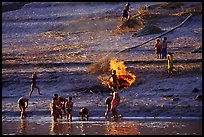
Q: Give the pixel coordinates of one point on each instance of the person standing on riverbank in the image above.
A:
(33, 85)
(158, 48)
(23, 104)
(115, 81)
(170, 64)
(125, 13)
(164, 48)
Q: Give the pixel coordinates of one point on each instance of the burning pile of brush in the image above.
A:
(124, 78)
(107, 65)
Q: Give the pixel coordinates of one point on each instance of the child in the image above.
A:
(22, 106)
(84, 113)
(33, 85)
(170, 64)
(108, 106)
(158, 48)
(164, 47)
(63, 100)
(69, 107)
(114, 103)
(125, 13)
(115, 81)
(55, 108)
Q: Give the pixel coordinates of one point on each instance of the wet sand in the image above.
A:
(127, 126)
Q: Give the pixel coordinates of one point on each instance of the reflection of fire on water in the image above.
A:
(124, 78)
(122, 128)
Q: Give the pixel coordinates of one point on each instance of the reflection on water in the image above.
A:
(82, 128)
(100, 127)
(123, 128)
(60, 128)
(22, 126)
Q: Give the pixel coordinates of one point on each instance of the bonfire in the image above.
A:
(125, 78)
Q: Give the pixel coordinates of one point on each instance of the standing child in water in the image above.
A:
(55, 108)
(114, 103)
(108, 106)
(69, 107)
(158, 48)
(63, 100)
(23, 106)
(33, 85)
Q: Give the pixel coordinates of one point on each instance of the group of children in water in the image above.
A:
(60, 104)
(64, 105)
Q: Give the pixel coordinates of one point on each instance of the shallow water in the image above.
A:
(98, 126)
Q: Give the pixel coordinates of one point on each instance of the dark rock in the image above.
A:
(175, 99)
(195, 90)
(165, 89)
(167, 96)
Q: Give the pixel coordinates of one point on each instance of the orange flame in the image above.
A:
(124, 78)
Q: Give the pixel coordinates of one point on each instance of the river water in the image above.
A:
(98, 126)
